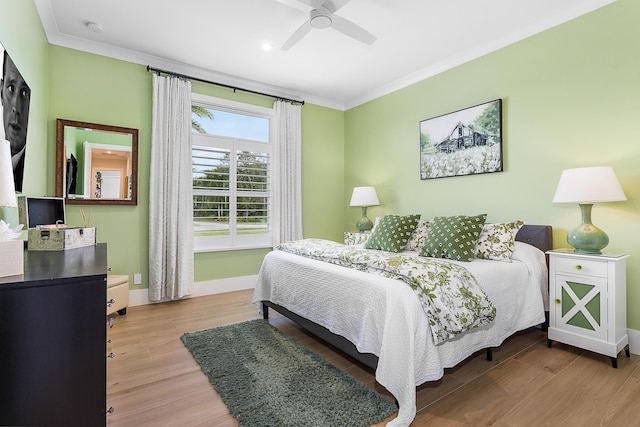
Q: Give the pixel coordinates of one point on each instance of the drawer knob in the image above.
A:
(111, 302)
(578, 267)
(558, 301)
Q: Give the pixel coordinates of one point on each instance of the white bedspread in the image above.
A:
(384, 316)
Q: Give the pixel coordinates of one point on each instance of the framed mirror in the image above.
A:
(96, 164)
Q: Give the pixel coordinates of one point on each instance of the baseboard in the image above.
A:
(634, 341)
(209, 287)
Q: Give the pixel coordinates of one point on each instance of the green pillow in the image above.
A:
(392, 232)
(453, 237)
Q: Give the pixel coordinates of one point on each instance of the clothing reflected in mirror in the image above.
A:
(72, 174)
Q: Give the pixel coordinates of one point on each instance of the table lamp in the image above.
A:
(364, 197)
(587, 186)
(12, 260)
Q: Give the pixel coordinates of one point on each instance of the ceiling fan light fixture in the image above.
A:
(324, 16)
(320, 18)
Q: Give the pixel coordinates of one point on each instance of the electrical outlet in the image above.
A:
(137, 278)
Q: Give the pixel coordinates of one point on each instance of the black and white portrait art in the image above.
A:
(15, 97)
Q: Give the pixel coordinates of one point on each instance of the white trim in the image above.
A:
(209, 287)
(227, 104)
(476, 52)
(233, 144)
(55, 37)
(634, 341)
(212, 287)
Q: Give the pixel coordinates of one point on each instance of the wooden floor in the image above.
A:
(154, 381)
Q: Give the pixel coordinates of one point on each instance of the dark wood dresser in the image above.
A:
(53, 339)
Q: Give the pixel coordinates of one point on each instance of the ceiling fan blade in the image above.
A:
(334, 5)
(296, 4)
(295, 37)
(352, 30)
(313, 3)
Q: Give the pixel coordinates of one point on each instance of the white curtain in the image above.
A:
(288, 150)
(170, 199)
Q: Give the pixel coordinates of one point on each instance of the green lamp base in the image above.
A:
(364, 224)
(587, 238)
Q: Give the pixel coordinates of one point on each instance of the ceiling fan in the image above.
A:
(322, 15)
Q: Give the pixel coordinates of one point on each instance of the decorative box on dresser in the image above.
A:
(588, 295)
(53, 334)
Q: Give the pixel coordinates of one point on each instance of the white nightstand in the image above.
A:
(588, 295)
(355, 237)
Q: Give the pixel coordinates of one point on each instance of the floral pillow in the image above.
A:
(497, 241)
(453, 237)
(392, 232)
(416, 241)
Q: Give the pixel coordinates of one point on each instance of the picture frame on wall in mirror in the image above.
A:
(15, 98)
(464, 142)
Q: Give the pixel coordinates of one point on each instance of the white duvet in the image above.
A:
(384, 316)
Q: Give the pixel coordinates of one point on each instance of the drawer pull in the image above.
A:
(558, 301)
(578, 267)
(111, 410)
(111, 302)
(111, 355)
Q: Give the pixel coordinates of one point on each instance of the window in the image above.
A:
(232, 156)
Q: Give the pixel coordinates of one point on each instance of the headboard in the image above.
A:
(539, 236)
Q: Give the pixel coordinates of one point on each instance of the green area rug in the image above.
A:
(266, 378)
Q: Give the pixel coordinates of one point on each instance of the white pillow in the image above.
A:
(416, 241)
(497, 241)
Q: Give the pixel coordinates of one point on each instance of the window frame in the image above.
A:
(238, 241)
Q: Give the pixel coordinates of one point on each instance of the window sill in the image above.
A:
(234, 248)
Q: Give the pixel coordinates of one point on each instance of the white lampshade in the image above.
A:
(589, 185)
(364, 196)
(7, 185)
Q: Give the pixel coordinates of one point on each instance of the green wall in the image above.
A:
(22, 36)
(323, 172)
(97, 89)
(79, 86)
(570, 99)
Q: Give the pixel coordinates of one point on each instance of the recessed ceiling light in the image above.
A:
(94, 27)
(267, 47)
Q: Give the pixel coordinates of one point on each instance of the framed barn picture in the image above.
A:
(464, 142)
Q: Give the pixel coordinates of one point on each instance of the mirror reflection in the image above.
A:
(96, 164)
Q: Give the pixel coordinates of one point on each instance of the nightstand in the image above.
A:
(588, 295)
(355, 237)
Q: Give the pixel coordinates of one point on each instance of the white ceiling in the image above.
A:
(221, 40)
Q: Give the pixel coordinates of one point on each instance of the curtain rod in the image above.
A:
(183, 76)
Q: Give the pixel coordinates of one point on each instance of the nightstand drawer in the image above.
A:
(581, 266)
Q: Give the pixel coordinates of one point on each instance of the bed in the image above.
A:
(381, 322)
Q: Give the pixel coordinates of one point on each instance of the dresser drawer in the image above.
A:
(581, 266)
